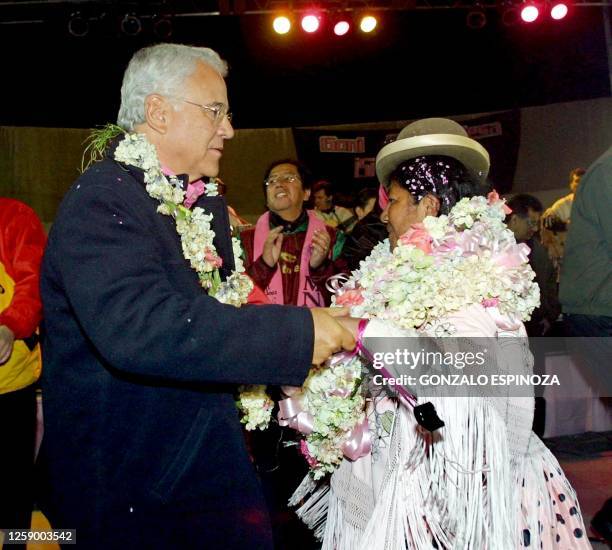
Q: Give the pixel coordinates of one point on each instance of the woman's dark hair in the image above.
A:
(441, 176)
(520, 205)
(365, 195)
(325, 185)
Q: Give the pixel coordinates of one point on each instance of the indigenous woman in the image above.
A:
(480, 478)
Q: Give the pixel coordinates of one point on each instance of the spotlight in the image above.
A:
(131, 25)
(311, 22)
(78, 25)
(162, 27)
(368, 23)
(281, 24)
(476, 19)
(510, 16)
(559, 10)
(341, 26)
(529, 13)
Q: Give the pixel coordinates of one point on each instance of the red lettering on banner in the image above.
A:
(482, 131)
(333, 144)
(364, 167)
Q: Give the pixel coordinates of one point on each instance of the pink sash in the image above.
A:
(308, 294)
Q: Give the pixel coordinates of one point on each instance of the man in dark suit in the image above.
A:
(143, 447)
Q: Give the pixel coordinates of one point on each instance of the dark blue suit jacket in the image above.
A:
(143, 446)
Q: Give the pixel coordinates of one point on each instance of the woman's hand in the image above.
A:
(321, 242)
(272, 246)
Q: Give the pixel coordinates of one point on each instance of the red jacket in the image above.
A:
(22, 241)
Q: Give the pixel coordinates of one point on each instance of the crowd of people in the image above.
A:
(155, 312)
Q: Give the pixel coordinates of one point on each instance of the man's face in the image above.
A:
(193, 143)
(322, 201)
(284, 191)
(525, 228)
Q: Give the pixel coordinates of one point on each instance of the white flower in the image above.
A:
(257, 407)
(436, 227)
(211, 188)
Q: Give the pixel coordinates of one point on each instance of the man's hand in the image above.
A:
(321, 242)
(351, 324)
(330, 335)
(550, 220)
(272, 246)
(7, 338)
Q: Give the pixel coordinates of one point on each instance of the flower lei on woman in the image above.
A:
(437, 268)
(194, 228)
(417, 283)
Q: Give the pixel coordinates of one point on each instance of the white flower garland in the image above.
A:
(468, 257)
(194, 228)
(256, 406)
(192, 225)
(333, 396)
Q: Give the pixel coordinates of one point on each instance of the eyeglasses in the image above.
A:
(281, 178)
(219, 110)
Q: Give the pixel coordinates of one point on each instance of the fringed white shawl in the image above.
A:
(462, 487)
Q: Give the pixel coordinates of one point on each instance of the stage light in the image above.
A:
(281, 24)
(78, 25)
(162, 27)
(131, 25)
(559, 10)
(476, 19)
(510, 16)
(368, 23)
(341, 27)
(311, 23)
(529, 13)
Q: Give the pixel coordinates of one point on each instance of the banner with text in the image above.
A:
(347, 158)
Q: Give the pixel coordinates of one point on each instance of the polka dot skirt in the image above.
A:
(561, 529)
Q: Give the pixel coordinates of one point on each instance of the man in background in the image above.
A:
(338, 217)
(556, 219)
(524, 222)
(290, 252)
(368, 231)
(586, 290)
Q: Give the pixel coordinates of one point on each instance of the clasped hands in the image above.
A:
(334, 331)
(321, 242)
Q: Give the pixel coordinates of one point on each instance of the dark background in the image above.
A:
(418, 63)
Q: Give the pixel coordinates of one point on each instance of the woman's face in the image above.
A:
(402, 212)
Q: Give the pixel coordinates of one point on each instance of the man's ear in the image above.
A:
(157, 113)
(431, 204)
(306, 194)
